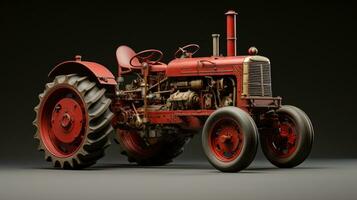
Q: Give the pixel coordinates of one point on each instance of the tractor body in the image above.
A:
(155, 108)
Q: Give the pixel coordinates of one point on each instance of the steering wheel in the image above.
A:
(149, 56)
(187, 51)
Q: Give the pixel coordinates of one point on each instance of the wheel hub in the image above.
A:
(227, 137)
(67, 119)
(287, 133)
(284, 143)
(226, 143)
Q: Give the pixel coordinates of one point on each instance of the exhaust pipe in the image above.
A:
(231, 33)
(215, 45)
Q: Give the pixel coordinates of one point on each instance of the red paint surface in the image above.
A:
(204, 66)
(101, 73)
(226, 140)
(62, 136)
(284, 143)
(231, 33)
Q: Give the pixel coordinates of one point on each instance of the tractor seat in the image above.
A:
(125, 53)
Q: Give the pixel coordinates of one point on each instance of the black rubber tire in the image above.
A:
(250, 143)
(98, 127)
(162, 153)
(306, 137)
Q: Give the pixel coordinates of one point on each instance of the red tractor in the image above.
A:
(159, 107)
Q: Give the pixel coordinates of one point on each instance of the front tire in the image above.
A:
(73, 122)
(289, 144)
(230, 139)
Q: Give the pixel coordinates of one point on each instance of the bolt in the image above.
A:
(58, 107)
(78, 58)
(66, 120)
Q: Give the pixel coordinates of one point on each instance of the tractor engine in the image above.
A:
(206, 93)
(183, 100)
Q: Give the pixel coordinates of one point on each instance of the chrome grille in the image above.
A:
(259, 81)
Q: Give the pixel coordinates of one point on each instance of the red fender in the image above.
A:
(92, 69)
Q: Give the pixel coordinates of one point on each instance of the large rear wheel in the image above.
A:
(230, 139)
(289, 144)
(73, 122)
(143, 152)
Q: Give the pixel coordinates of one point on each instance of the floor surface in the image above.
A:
(314, 179)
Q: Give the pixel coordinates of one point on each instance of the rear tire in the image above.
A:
(230, 139)
(161, 153)
(290, 144)
(73, 122)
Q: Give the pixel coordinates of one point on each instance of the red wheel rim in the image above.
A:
(226, 139)
(63, 120)
(135, 144)
(284, 143)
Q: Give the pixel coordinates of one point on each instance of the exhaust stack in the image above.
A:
(215, 44)
(231, 33)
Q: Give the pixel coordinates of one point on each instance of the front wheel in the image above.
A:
(290, 143)
(230, 139)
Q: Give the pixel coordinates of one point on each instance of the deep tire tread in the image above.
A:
(99, 127)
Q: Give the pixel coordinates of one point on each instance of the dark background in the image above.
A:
(311, 47)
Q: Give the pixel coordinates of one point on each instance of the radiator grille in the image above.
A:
(259, 81)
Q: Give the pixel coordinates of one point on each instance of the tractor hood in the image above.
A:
(208, 65)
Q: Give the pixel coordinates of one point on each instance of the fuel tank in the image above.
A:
(204, 66)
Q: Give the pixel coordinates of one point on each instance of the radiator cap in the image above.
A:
(252, 51)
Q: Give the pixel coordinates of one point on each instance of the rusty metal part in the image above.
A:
(207, 101)
(182, 100)
(227, 101)
(158, 83)
(137, 121)
(234, 85)
(220, 84)
(122, 117)
(145, 67)
(132, 91)
(175, 116)
(164, 91)
(215, 44)
(195, 84)
(263, 103)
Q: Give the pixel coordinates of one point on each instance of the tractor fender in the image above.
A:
(94, 70)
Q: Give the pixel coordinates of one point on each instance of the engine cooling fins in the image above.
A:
(97, 129)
